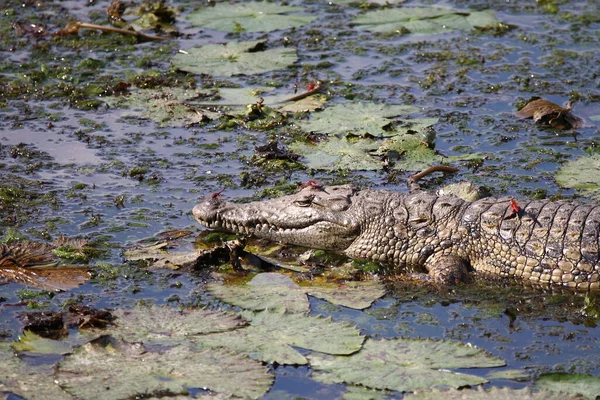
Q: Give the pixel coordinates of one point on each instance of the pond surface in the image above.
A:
(75, 164)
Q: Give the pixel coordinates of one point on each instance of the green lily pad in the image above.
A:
(363, 393)
(266, 291)
(404, 365)
(243, 58)
(249, 17)
(166, 106)
(357, 119)
(33, 382)
(424, 20)
(111, 369)
(570, 383)
(582, 174)
(30, 342)
(356, 295)
(270, 336)
(165, 325)
(339, 153)
(410, 153)
(486, 394)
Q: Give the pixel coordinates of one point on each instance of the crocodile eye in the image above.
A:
(305, 201)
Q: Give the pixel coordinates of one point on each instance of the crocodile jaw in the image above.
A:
(281, 220)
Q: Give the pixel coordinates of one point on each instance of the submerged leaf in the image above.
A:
(487, 394)
(570, 383)
(166, 106)
(165, 325)
(582, 174)
(249, 17)
(33, 382)
(404, 365)
(424, 20)
(551, 114)
(110, 369)
(270, 336)
(234, 58)
(266, 291)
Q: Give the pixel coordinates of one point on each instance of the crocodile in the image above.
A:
(537, 241)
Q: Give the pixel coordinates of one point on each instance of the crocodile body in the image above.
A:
(542, 242)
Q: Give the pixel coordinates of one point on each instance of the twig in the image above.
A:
(74, 27)
(301, 96)
(414, 179)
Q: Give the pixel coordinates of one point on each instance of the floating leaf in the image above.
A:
(570, 383)
(551, 114)
(266, 291)
(424, 20)
(270, 336)
(249, 17)
(32, 343)
(165, 325)
(33, 382)
(404, 365)
(357, 119)
(110, 369)
(310, 103)
(166, 106)
(486, 394)
(243, 58)
(158, 257)
(582, 174)
(339, 153)
(356, 295)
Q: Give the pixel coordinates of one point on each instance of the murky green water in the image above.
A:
(65, 156)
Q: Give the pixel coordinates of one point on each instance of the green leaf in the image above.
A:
(582, 174)
(421, 20)
(357, 119)
(243, 58)
(110, 369)
(33, 382)
(570, 383)
(337, 153)
(356, 295)
(32, 343)
(165, 325)
(404, 365)
(270, 336)
(486, 394)
(266, 291)
(249, 17)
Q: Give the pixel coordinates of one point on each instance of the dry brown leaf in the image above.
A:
(551, 114)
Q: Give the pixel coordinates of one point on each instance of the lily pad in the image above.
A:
(165, 325)
(410, 153)
(339, 153)
(234, 58)
(166, 106)
(570, 383)
(266, 291)
(30, 342)
(582, 174)
(270, 336)
(424, 20)
(357, 119)
(249, 17)
(33, 382)
(487, 394)
(356, 295)
(111, 369)
(404, 365)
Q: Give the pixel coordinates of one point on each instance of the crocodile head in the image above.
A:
(317, 217)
